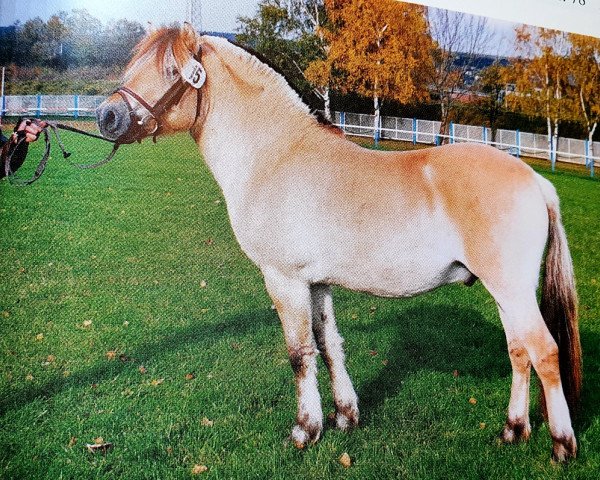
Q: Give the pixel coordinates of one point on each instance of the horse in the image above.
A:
(313, 209)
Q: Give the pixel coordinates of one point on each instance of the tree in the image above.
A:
(282, 32)
(491, 84)
(584, 68)
(377, 48)
(541, 78)
(117, 41)
(455, 35)
(85, 33)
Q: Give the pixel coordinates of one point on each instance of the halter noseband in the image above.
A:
(192, 74)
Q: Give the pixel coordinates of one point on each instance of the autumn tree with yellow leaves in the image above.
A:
(376, 48)
(584, 80)
(541, 78)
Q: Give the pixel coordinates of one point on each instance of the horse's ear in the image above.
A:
(150, 28)
(191, 37)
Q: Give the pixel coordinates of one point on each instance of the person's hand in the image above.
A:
(31, 129)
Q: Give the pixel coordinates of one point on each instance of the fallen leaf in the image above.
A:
(39, 337)
(98, 440)
(345, 460)
(98, 447)
(142, 369)
(385, 362)
(124, 358)
(87, 323)
(209, 241)
(111, 355)
(72, 441)
(50, 358)
(29, 377)
(482, 425)
(125, 323)
(169, 450)
(472, 401)
(205, 422)
(157, 382)
(203, 284)
(455, 373)
(198, 469)
(190, 376)
(127, 392)
(5, 314)
(373, 353)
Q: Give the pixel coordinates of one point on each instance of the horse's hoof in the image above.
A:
(303, 435)
(515, 431)
(563, 449)
(346, 417)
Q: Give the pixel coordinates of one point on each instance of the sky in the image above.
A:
(217, 15)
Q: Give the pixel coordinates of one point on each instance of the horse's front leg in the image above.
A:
(330, 344)
(293, 302)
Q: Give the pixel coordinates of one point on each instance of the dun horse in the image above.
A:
(312, 209)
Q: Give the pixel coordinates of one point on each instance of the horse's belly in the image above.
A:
(400, 280)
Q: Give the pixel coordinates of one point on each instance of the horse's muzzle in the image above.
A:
(114, 119)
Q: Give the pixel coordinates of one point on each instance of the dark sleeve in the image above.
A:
(18, 155)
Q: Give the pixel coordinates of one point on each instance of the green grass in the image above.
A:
(126, 247)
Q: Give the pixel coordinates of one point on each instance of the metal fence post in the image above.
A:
(414, 132)
(589, 162)
(484, 134)
(518, 138)
(3, 106)
(343, 121)
(377, 133)
(451, 131)
(76, 105)
(38, 112)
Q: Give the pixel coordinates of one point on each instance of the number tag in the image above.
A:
(193, 73)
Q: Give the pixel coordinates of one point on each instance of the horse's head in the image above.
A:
(161, 89)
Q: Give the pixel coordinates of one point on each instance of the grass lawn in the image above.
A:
(129, 314)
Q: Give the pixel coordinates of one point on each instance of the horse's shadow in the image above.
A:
(435, 337)
(458, 340)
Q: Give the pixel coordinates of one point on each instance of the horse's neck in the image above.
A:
(248, 128)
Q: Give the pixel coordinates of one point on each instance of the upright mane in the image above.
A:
(256, 66)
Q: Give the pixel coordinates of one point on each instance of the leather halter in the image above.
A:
(138, 128)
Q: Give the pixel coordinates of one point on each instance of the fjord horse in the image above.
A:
(312, 209)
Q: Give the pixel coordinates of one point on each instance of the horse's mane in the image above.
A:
(159, 41)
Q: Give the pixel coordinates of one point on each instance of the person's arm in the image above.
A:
(31, 130)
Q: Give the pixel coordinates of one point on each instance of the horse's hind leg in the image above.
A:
(517, 425)
(330, 345)
(521, 316)
(292, 299)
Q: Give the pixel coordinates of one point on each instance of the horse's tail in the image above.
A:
(559, 301)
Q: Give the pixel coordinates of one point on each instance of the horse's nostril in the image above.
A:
(109, 118)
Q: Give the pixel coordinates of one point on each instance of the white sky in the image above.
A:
(217, 15)
(221, 15)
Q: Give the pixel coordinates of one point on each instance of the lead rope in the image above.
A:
(19, 182)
